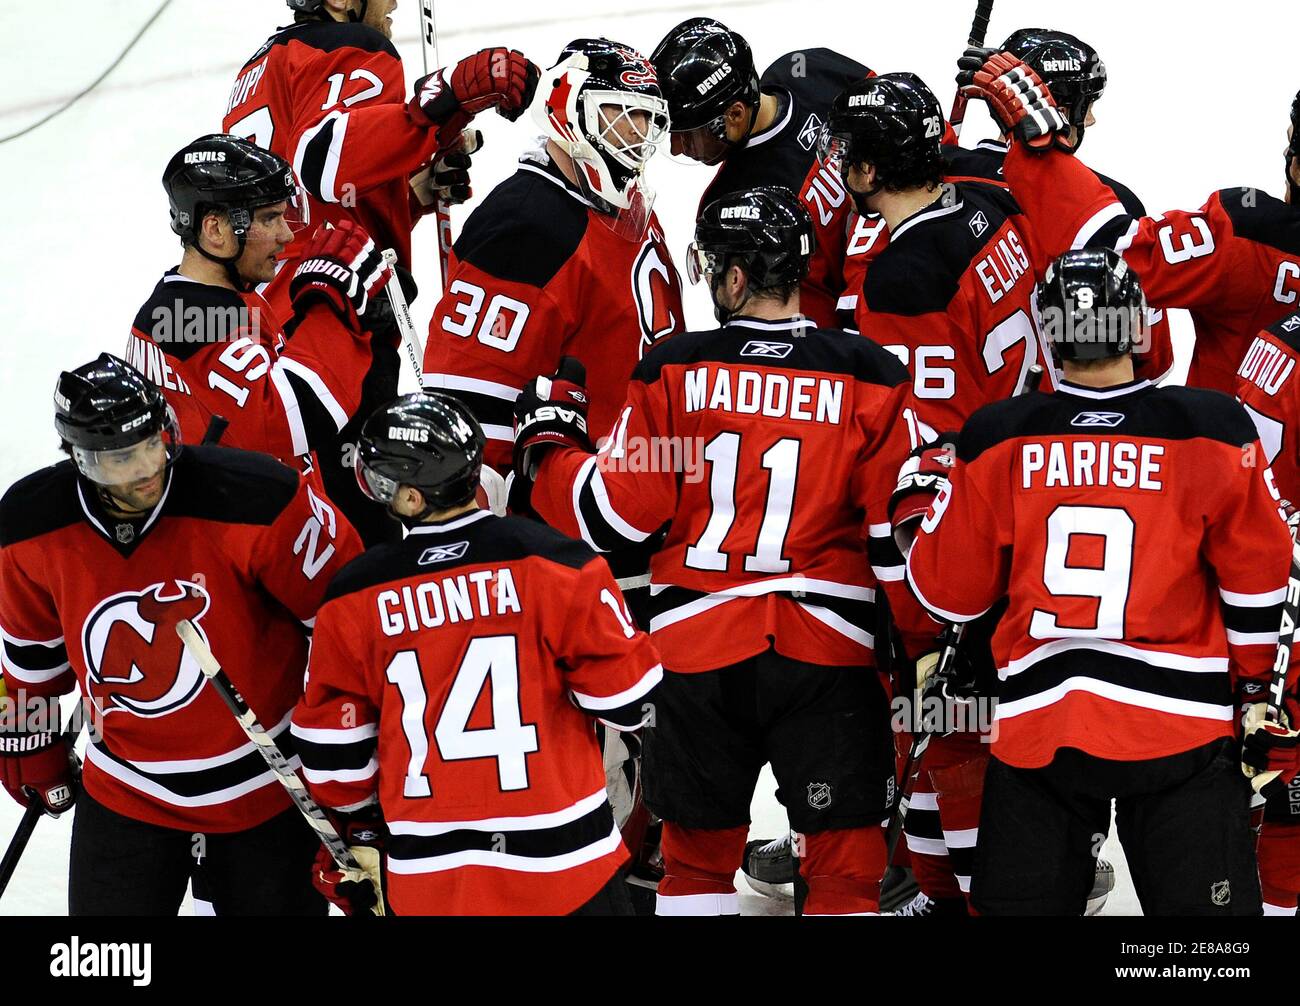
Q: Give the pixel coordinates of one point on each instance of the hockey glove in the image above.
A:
(354, 892)
(504, 79)
(36, 760)
(342, 268)
(551, 412)
(447, 178)
(379, 319)
(923, 476)
(1270, 749)
(1016, 96)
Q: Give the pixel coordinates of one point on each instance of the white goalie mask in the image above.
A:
(602, 106)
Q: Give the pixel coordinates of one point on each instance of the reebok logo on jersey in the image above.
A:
(873, 98)
(205, 156)
(1291, 324)
(979, 223)
(414, 436)
(443, 553)
(1061, 66)
(811, 132)
(1098, 419)
(739, 213)
(772, 350)
(713, 79)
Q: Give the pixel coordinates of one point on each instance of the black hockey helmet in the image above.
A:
(704, 68)
(427, 440)
(1070, 68)
(107, 406)
(893, 122)
(1090, 305)
(228, 174)
(765, 230)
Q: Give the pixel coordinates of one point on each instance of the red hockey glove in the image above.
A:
(447, 178)
(342, 268)
(358, 892)
(499, 78)
(923, 476)
(35, 758)
(551, 412)
(1270, 749)
(1016, 96)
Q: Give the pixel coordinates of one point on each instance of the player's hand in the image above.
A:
(1270, 749)
(358, 892)
(447, 177)
(504, 79)
(923, 476)
(342, 268)
(551, 412)
(35, 761)
(1016, 96)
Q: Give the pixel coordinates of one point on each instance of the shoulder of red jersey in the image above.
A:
(780, 345)
(437, 549)
(1173, 412)
(526, 229)
(40, 503)
(1287, 331)
(328, 36)
(921, 268)
(175, 299)
(1260, 217)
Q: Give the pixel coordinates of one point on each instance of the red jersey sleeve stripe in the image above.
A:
(603, 703)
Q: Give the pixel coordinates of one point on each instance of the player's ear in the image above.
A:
(214, 230)
(737, 120)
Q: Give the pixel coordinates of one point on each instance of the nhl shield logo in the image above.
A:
(819, 795)
(1220, 893)
(126, 533)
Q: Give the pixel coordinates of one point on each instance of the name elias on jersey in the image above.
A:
(713, 79)
(778, 396)
(1121, 464)
(448, 600)
(1002, 267)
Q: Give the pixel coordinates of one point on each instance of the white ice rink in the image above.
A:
(1198, 100)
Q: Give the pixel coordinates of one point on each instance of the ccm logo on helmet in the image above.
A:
(1062, 66)
(739, 213)
(202, 156)
(713, 79)
(870, 98)
(419, 436)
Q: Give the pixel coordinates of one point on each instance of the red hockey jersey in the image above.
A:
(457, 675)
(951, 295)
(1144, 562)
(214, 351)
(537, 274)
(239, 545)
(1270, 391)
(773, 448)
(1234, 263)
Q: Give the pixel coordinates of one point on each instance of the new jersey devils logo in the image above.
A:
(658, 292)
(135, 662)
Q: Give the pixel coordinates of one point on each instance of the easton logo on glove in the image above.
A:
(552, 413)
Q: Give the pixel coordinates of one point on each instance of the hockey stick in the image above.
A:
(978, 29)
(441, 211)
(952, 636)
(273, 756)
(1285, 640)
(402, 313)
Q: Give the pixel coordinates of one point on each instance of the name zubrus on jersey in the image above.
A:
(1059, 464)
(778, 396)
(75, 959)
(1003, 266)
(459, 597)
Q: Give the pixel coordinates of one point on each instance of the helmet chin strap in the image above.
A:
(725, 314)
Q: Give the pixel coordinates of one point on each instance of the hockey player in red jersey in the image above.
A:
(565, 256)
(328, 94)
(951, 292)
(1234, 263)
(772, 447)
(762, 131)
(1144, 566)
(287, 384)
(100, 557)
(1077, 77)
(490, 806)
